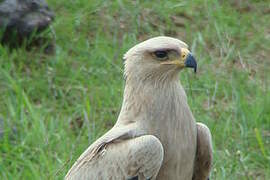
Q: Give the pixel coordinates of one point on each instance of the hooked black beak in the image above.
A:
(191, 62)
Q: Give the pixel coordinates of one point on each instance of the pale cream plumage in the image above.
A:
(155, 136)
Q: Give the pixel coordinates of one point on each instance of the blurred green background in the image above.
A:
(54, 106)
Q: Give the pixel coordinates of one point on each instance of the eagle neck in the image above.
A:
(146, 101)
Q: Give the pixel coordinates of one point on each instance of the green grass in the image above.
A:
(54, 106)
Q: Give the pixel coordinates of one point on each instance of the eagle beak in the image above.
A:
(190, 62)
(188, 59)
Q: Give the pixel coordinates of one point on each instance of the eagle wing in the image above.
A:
(204, 154)
(121, 153)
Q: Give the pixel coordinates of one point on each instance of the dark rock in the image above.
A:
(21, 19)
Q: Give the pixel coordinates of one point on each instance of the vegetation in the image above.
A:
(54, 106)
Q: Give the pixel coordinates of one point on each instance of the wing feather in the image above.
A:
(115, 134)
(204, 155)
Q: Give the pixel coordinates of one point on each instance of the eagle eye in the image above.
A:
(161, 54)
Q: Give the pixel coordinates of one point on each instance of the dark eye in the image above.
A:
(161, 54)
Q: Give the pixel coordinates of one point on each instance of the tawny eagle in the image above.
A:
(156, 135)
